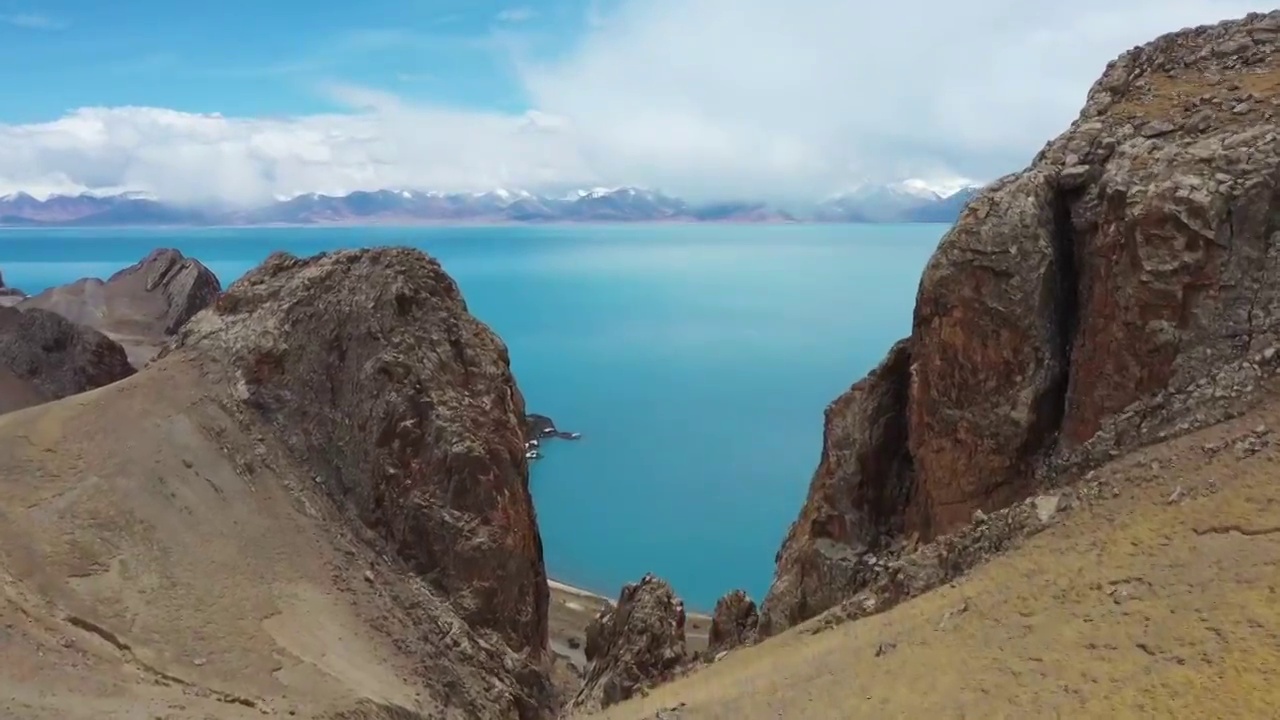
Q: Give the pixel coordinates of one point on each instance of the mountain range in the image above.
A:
(909, 201)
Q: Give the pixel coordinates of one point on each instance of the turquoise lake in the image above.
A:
(695, 360)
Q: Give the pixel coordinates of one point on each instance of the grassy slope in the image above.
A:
(1137, 604)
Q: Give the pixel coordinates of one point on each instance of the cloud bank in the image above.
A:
(768, 99)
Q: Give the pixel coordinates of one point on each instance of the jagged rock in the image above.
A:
(142, 305)
(636, 644)
(1118, 291)
(371, 371)
(733, 623)
(45, 357)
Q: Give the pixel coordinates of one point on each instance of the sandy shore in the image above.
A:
(566, 589)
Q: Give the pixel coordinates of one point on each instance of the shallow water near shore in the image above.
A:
(696, 360)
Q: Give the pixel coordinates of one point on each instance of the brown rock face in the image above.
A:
(1118, 291)
(142, 305)
(733, 623)
(372, 372)
(45, 357)
(636, 644)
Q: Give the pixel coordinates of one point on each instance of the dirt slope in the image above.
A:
(154, 577)
(1155, 596)
(315, 503)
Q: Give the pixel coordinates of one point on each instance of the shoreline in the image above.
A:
(566, 588)
(556, 586)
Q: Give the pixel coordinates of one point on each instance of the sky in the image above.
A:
(237, 102)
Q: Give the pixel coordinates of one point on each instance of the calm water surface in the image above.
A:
(695, 360)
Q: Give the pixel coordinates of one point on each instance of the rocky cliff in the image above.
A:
(45, 357)
(370, 369)
(141, 305)
(313, 503)
(1121, 289)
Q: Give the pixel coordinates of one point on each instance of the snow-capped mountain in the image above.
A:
(912, 200)
(906, 201)
(131, 208)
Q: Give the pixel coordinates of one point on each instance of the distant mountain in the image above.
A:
(902, 202)
(86, 209)
(909, 201)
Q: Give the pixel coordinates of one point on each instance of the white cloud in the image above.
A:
(706, 98)
(210, 158)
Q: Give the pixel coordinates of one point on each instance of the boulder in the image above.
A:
(636, 644)
(44, 357)
(142, 305)
(733, 623)
(1121, 289)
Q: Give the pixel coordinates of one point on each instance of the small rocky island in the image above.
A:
(538, 428)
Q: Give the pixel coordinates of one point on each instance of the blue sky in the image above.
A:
(243, 57)
(784, 100)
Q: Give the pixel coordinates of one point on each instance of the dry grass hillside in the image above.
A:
(158, 561)
(157, 573)
(1156, 595)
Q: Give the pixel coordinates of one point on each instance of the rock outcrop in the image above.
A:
(636, 644)
(8, 295)
(142, 305)
(45, 357)
(733, 623)
(1120, 290)
(370, 369)
(321, 482)
(6, 290)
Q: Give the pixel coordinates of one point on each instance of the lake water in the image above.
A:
(695, 360)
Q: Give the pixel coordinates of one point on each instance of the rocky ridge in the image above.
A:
(329, 463)
(141, 306)
(1117, 292)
